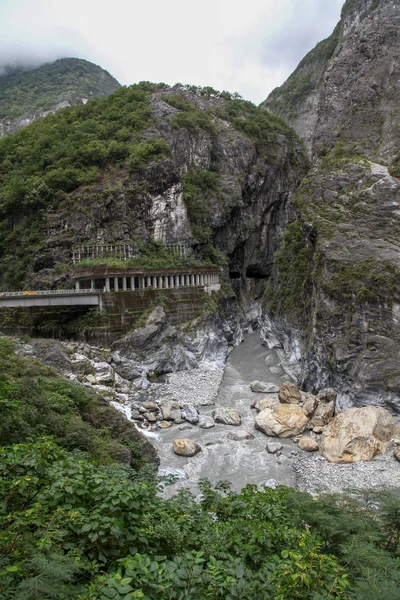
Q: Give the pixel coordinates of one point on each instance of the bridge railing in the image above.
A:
(29, 294)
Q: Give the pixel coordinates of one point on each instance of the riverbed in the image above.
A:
(248, 461)
(221, 458)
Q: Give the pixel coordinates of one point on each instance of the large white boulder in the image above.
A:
(282, 420)
(357, 434)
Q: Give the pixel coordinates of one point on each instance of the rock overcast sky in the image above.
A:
(248, 47)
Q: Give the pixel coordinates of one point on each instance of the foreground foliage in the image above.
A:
(72, 529)
(74, 523)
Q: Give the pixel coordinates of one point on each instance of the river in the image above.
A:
(221, 458)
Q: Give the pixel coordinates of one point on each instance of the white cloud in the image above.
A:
(246, 47)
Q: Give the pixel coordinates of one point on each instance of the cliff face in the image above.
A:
(29, 95)
(177, 165)
(345, 241)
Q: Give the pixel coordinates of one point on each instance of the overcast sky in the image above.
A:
(249, 47)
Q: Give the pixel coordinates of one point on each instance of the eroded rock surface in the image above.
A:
(282, 420)
(357, 434)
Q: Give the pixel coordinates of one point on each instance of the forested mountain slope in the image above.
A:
(30, 94)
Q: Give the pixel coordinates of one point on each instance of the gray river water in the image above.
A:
(239, 462)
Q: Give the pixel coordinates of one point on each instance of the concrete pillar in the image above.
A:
(148, 281)
(91, 284)
(107, 284)
(132, 283)
(166, 282)
(124, 284)
(77, 285)
(176, 277)
(115, 284)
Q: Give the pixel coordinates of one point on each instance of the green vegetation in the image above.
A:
(286, 99)
(201, 189)
(291, 291)
(71, 529)
(191, 118)
(25, 92)
(41, 165)
(366, 280)
(151, 255)
(35, 402)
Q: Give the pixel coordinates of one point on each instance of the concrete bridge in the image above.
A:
(51, 298)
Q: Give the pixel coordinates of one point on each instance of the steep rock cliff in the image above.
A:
(342, 254)
(182, 165)
(27, 95)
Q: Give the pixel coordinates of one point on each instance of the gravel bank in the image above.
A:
(198, 387)
(314, 473)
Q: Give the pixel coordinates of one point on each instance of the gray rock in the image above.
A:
(227, 416)
(271, 483)
(190, 414)
(240, 436)
(273, 447)
(171, 411)
(151, 417)
(289, 393)
(206, 423)
(152, 406)
(265, 388)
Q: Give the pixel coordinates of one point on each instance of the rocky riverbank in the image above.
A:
(240, 454)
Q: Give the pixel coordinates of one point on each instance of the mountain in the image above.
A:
(177, 165)
(30, 94)
(337, 276)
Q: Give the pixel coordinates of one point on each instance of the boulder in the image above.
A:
(289, 393)
(310, 403)
(165, 424)
(190, 414)
(186, 447)
(206, 423)
(240, 436)
(325, 409)
(227, 416)
(152, 406)
(265, 388)
(274, 447)
(105, 374)
(171, 411)
(264, 403)
(271, 483)
(308, 444)
(150, 416)
(282, 420)
(357, 434)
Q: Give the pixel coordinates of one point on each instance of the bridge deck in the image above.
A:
(50, 298)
